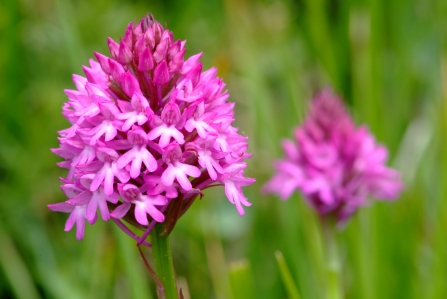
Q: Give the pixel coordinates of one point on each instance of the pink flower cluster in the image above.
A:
(335, 165)
(148, 132)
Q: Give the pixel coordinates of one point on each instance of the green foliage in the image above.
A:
(388, 59)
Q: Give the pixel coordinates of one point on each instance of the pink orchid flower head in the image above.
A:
(334, 164)
(148, 131)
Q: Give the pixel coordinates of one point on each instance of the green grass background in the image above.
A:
(388, 59)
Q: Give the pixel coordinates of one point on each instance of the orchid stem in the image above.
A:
(164, 267)
(334, 290)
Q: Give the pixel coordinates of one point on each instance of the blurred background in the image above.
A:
(387, 59)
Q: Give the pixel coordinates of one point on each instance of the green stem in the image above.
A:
(161, 250)
(333, 262)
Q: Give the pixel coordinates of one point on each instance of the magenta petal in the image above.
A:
(130, 84)
(171, 192)
(146, 62)
(149, 161)
(190, 170)
(80, 227)
(161, 73)
(194, 74)
(159, 200)
(235, 197)
(208, 75)
(122, 175)
(127, 39)
(177, 135)
(211, 171)
(108, 182)
(98, 179)
(103, 62)
(155, 214)
(79, 82)
(103, 209)
(61, 207)
(121, 210)
(190, 63)
(160, 51)
(113, 47)
(116, 70)
(81, 199)
(165, 138)
(168, 175)
(129, 122)
(70, 222)
(110, 133)
(125, 159)
(140, 214)
(177, 62)
(70, 190)
(93, 220)
(91, 208)
(183, 180)
(156, 132)
(77, 217)
(135, 168)
(124, 54)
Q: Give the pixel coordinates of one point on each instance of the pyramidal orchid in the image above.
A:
(148, 132)
(333, 163)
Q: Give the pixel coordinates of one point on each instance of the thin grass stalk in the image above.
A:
(286, 276)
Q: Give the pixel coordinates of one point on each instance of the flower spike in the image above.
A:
(333, 163)
(148, 132)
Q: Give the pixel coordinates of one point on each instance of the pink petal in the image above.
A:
(168, 176)
(183, 180)
(130, 84)
(61, 207)
(103, 209)
(140, 213)
(130, 121)
(154, 213)
(80, 227)
(70, 221)
(149, 160)
(156, 132)
(135, 168)
(108, 182)
(81, 199)
(121, 210)
(103, 62)
(91, 208)
(146, 62)
(189, 169)
(190, 63)
(178, 136)
(98, 179)
(161, 73)
(125, 159)
(165, 138)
